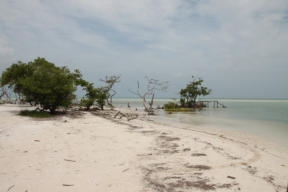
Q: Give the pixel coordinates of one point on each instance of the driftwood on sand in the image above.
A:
(10, 187)
(129, 116)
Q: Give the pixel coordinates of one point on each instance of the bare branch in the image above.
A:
(153, 85)
(110, 81)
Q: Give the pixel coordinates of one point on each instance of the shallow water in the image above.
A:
(267, 119)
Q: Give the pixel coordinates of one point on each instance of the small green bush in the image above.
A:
(36, 114)
(87, 102)
(174, 107)
(170, 105)
(179, 110)
(193, 90)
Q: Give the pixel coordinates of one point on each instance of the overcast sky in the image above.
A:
(239, 47)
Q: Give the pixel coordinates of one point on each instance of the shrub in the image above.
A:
(170, 105)
(87, 102)
(42, 83)
(99, 95)
(192, 90)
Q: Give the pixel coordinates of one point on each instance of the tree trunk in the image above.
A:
(52, 110)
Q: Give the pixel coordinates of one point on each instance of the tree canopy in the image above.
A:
(193, 90)
(42, 83)
(99, 95)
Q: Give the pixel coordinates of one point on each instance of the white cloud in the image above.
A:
(4, 47)
(206, 36)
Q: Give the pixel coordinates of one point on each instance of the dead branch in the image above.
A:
(110, 81)
(128, 116)
(153, 86)
(10, 188)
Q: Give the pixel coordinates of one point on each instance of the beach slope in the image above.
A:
(94, 151)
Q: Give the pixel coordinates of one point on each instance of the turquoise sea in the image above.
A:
(265, 118)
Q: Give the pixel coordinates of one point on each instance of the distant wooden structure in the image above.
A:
(212, 103)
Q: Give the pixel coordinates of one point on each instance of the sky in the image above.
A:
(239, 47)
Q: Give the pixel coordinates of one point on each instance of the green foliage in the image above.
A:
(182, 101)
(175, 107)
(87, 102)
(179, 109)
(170, 105)
(15, 74)
(99, 95)
(42, 83)
(35, 114)
(90, 96)
(192, 91)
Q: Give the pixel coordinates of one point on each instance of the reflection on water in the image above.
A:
(264, 118)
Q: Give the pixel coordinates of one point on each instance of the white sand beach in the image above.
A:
(93, 151)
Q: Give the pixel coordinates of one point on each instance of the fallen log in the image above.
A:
(128, 116)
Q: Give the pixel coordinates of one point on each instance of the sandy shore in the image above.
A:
(96, 152)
